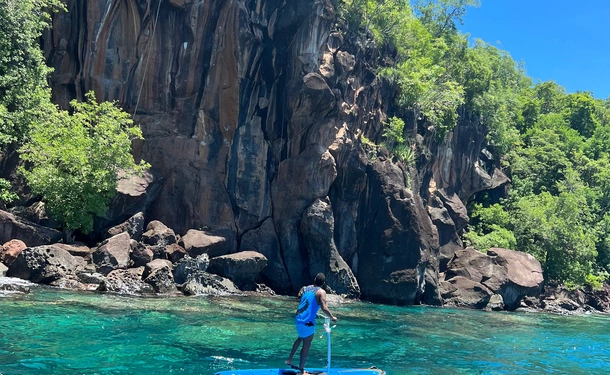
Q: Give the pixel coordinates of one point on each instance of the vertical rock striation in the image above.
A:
(252, 111)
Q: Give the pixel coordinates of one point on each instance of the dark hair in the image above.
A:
(320, 279)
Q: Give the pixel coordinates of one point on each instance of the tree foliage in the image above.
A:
(554, 145)
(24, 93)
(74, 164)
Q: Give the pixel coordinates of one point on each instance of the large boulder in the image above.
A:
(141, 254)
(197, 242)
(448, 237)
(317, 228)
(188, 266)
(204, 283)
(463, 292)
(174, 253)
(124, 282)
(13, 227)
(76, 249)
(44, 264)
(11, 250)
(398, 254)
(242, 268)
(264, 240)
(134, 226)
(135, 193)
(158, 234)
(511, 274)
(113, 254)
(315, 169)
(158, 274)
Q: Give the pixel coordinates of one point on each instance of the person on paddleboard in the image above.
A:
(313, 298)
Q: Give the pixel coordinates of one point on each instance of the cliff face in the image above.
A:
(251, 113)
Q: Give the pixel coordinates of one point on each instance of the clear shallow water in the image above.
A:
(56, 332)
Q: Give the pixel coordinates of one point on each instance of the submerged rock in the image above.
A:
(204, 283)
(14, 285)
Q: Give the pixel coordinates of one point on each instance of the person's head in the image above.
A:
(320, 279)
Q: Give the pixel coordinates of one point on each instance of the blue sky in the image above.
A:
(566, 41)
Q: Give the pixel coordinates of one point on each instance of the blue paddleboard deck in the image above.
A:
(315, 371)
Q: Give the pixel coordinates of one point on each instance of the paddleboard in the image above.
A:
(315, 371)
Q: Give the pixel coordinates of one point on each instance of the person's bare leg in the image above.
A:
(295, 346)
(304, 352)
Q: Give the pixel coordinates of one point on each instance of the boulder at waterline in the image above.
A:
(317, 228)
(188, 266)
(158, 274)
(463, 292)
(511, 274)
(91, 277)
(44, 264)
(125, 282)
(15, 285)
(3, 269)
(242, 268)
(11, 250)
(113, 254)
(204, 283)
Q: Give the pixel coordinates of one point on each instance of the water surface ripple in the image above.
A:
(58, 332)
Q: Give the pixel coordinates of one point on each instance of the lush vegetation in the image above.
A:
(555, 146)
(71, 159)
(558, 204)
(75, 163)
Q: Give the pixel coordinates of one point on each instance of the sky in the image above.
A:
(567, 41)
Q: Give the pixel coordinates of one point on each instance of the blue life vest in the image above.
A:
(308, 308)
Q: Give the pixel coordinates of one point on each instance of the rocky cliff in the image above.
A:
(252, 112)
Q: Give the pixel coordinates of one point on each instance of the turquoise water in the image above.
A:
(56, 332)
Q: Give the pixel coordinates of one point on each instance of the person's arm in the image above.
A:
(321, 297)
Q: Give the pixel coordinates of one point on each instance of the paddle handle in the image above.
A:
(327, 329)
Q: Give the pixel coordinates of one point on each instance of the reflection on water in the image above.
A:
(55, 332)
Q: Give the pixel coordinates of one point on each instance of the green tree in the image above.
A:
(441, 16)
(74, 163)
(6, 195)
(550, 95)
(24, 93)
(489, 228)
(580, 111)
